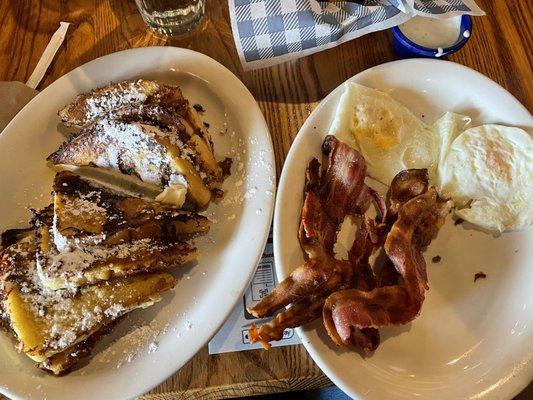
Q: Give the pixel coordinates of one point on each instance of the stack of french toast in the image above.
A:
(132, 179)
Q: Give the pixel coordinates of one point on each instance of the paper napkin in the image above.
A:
(268, 32)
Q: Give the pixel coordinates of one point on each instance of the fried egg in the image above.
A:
(389, 136)
(488, 171)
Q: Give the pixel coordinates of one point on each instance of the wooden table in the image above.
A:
(501, 48)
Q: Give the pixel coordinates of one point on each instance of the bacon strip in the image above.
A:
(362, 248)
(300, 313)
(418, 221)
(307, 309)
(306, 280)
(406, 185)
(329, 196)
(343, 184)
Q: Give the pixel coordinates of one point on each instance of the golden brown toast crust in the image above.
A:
(104, 101)
(63, 363)
(155, 156)
(129, 98)
(83, 208)
(93, 264)
(47, 322)
(176, 142)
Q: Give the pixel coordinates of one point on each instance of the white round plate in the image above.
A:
(472, 340)
(152, 344)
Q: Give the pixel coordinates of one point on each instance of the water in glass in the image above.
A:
(170, 17)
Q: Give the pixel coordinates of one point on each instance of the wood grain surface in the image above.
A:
(500, 47)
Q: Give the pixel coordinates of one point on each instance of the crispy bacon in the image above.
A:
(362, 248)
(305, 309)
(343, 189)
(306, 280)
(318, 231)
(300, 313)
(406, 185)
(387, 274)
(352, 300)
(418, 220)
(329, 196)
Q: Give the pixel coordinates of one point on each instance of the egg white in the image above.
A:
(488, 172)
(389, 136)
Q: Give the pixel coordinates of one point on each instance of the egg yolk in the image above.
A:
(383, 133)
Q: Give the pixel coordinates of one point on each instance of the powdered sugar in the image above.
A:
(140, 340)
(67, 317)
(115, 310)
(57, 269)
(152, 347)
(83, 205)
(140, 149)
(124, 95)
(61, 242)
(131, 145)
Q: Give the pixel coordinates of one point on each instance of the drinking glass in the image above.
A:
(171, 17)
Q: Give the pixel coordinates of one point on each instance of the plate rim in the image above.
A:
(520, 378)
(265, 218)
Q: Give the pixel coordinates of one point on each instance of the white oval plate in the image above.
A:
(472, 340)
(152, 344)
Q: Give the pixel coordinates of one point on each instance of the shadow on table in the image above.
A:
(310, 79)
(332, 393)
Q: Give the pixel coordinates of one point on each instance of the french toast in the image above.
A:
(153, 154)
(130, 97)
(146, 129)
(62, 363)
(103, 101)
(100, 249)
(198, 143)
(11, 236)
(87, 213)
(91, 264)
(48, 323)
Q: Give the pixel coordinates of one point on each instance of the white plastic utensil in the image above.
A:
(16, 95)
(48, 55)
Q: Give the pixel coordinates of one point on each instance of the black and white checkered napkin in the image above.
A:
(272, 31)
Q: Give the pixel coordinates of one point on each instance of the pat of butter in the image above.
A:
(174, 194)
